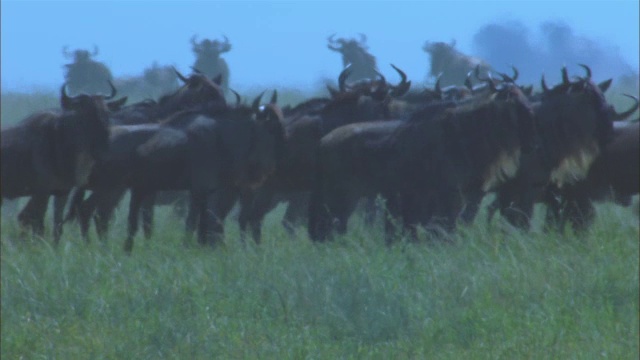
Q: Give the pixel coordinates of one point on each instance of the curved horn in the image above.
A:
(544, 85)
(331, 38)
(437, 87)
(256, 103)
(515, 73)
(343, 77)
(363, 38)
(565, 75)
(274, 97)
(180, 76)
(467, 81)
(226, 45)
(65, 100)
(403, 86)
(113, 91)
(238, 98)
(95, 50)
(587, 69)
(626, 114)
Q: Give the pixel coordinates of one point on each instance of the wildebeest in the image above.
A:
(451, 63)
(425, 167)
(85, 75)
(198, 93)
(208, 60)
(52, 152)
(212, 156)
(355, 55)
(575, 124)
(304, 127)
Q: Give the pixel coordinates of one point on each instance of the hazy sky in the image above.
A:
(284, 42)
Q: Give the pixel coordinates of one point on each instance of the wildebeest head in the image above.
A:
(80, 55)
(253, 140)
(198, 93)
(89, 128)
(354, 53)
(576, 123)
(210, 48)
(364, 100)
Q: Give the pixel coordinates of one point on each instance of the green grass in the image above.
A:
(494, 293)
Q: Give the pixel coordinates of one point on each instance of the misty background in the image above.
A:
(284, 43)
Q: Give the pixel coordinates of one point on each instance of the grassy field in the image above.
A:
(493, 293)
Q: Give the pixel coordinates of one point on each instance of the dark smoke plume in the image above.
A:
(556, 44)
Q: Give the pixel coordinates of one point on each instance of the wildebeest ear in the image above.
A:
(218, 79)
(117, 104)
(604, 86)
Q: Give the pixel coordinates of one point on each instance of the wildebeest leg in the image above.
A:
(449, 204)
(473, 201)
(137, 197)
(196, 203)
(32, 215)
(578, 209)
(341, 205)
(102, 204)
(296, 211)
(391, 218)
(147, 215)
(553, 217)
(319, 216)
(254, 205)
(59, 202)
(211, 227)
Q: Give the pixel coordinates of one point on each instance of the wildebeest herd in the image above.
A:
(430, 155)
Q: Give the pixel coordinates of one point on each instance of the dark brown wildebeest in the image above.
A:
(575, 124)
(198, 92)
(208, 60)
(304, 127)
(52, 152)
(426, 166)
(212, 156)
(451, 63)
(355, 56)
(86, 75)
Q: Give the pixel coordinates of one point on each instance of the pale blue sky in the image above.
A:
(279, 43)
